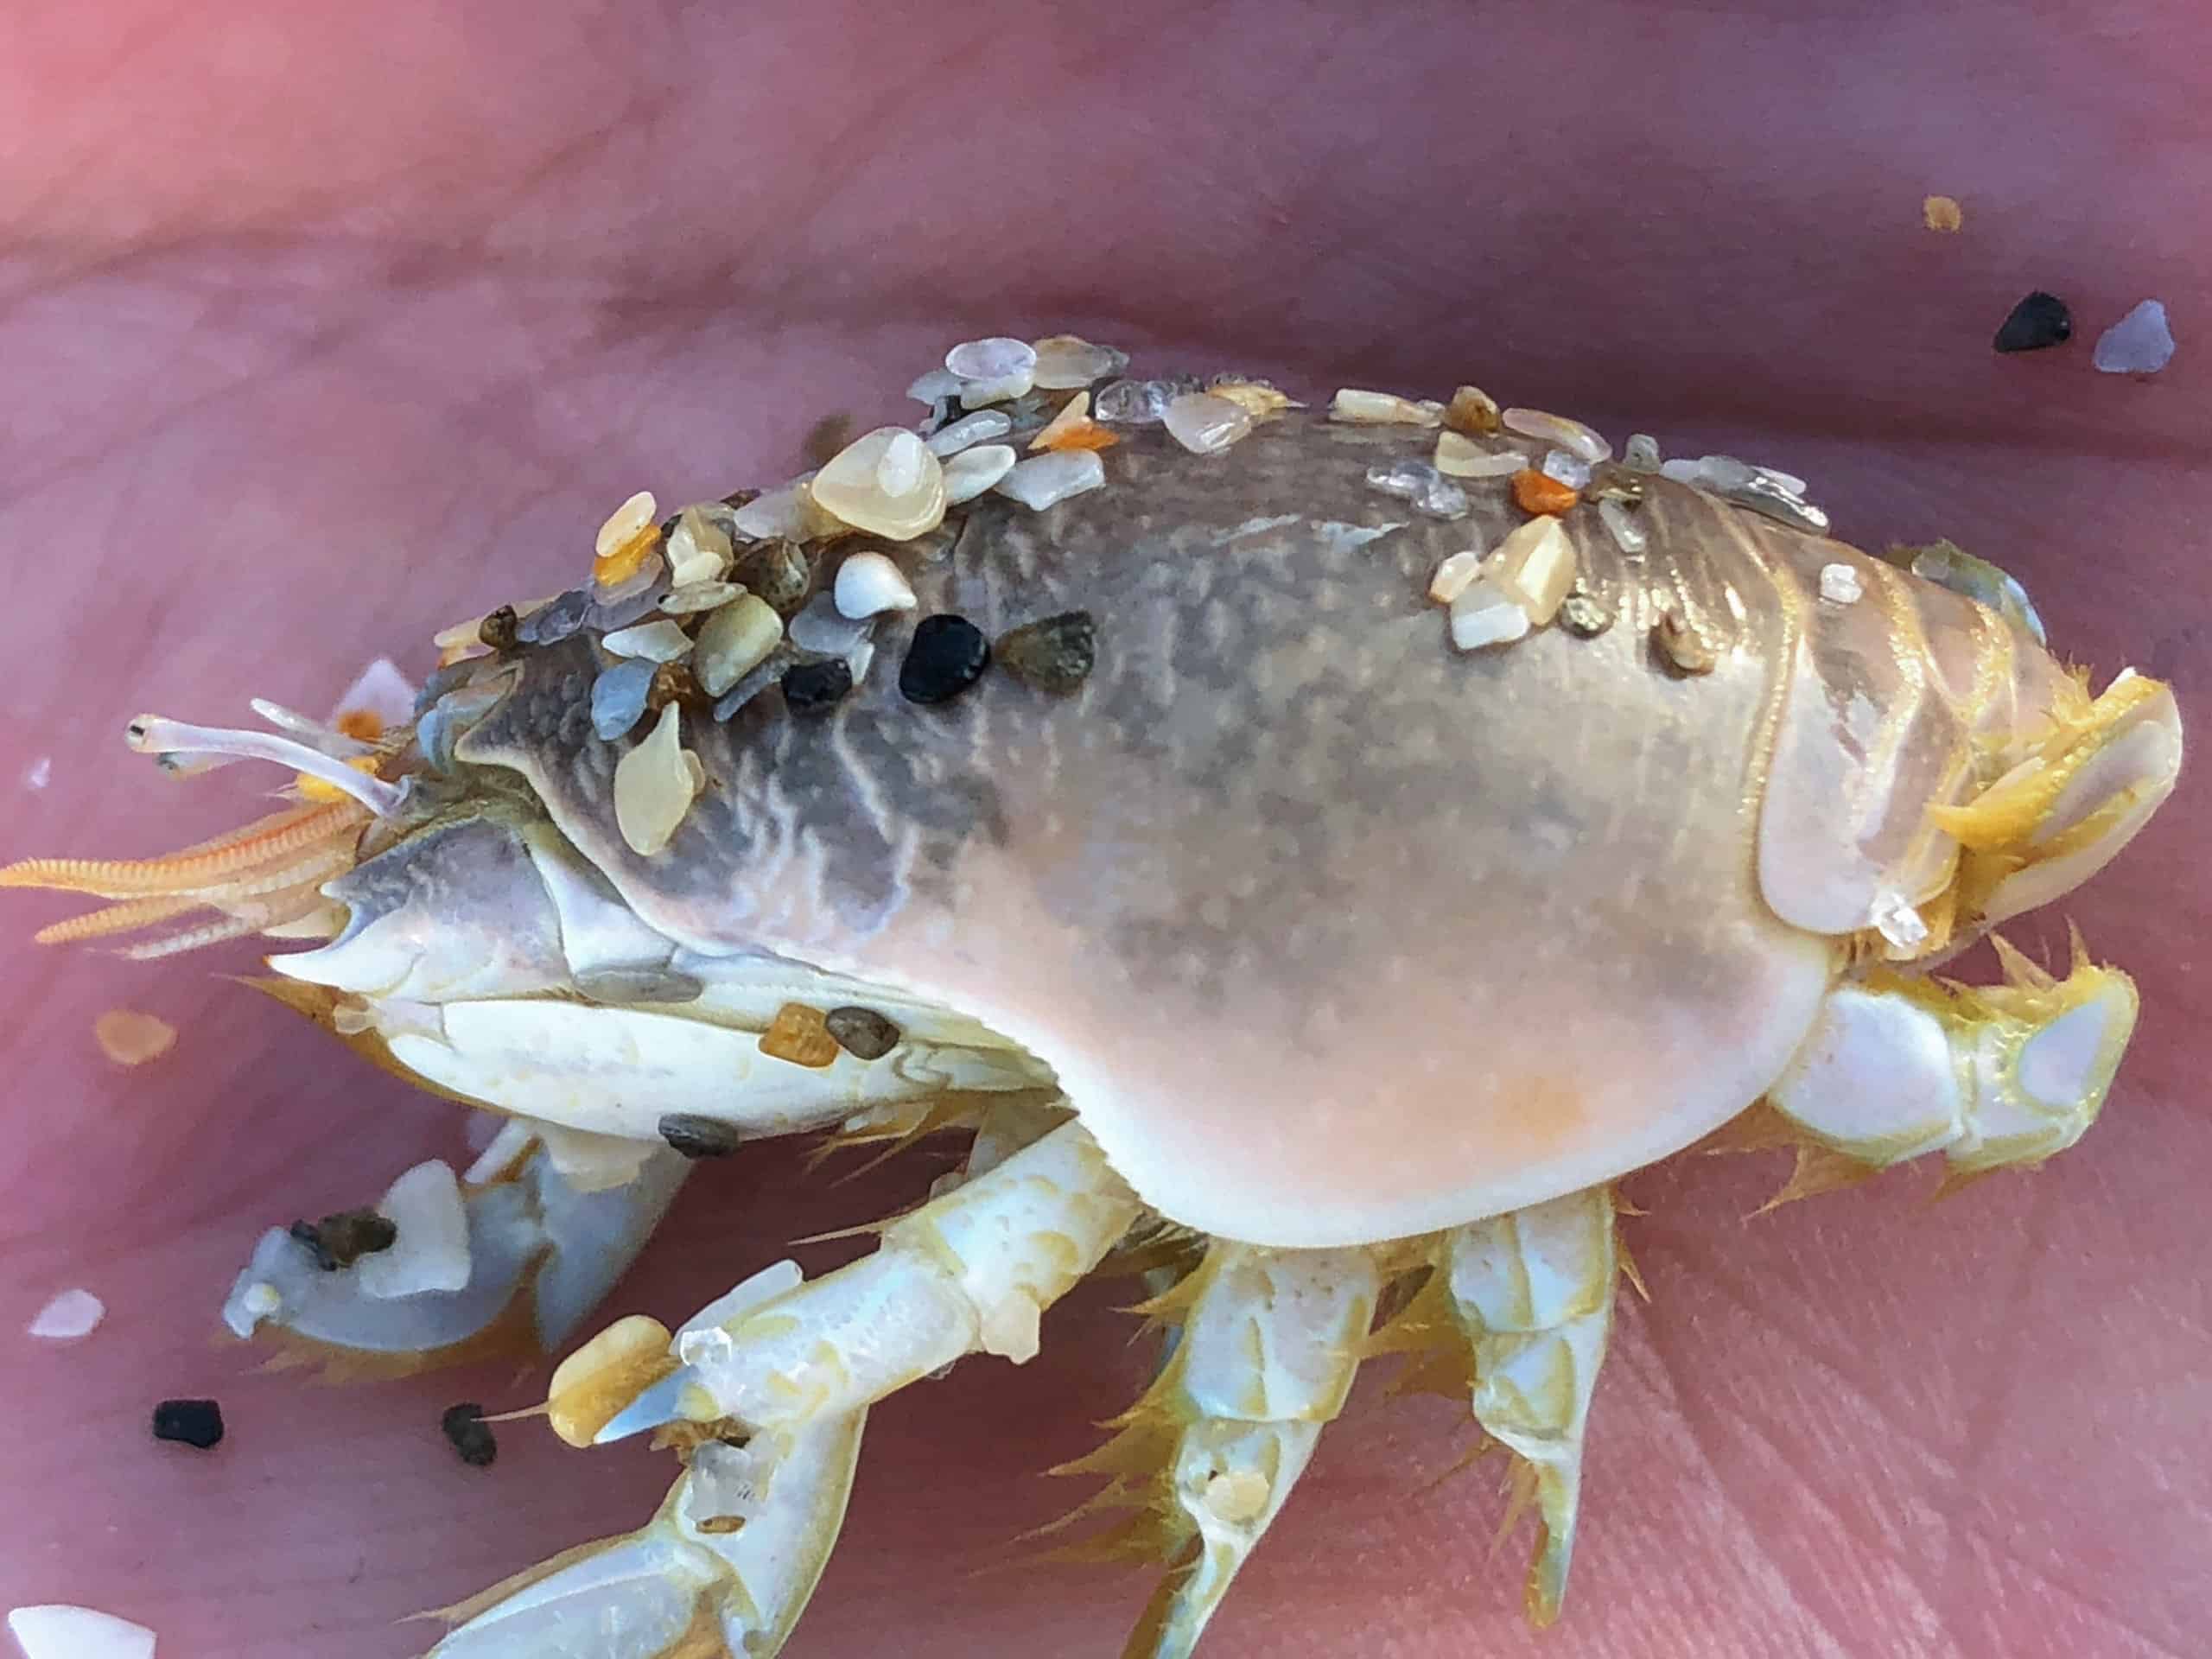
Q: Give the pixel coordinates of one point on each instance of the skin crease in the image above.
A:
(324, 330)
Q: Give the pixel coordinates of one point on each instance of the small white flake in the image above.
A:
(41, 772)
(1839, 584)
(430, 1251)
(2142, 343)
(72, 1315)
(262, 1299)
(1045, 480)
(1898, 922)
(380, 690)
(56, 1631)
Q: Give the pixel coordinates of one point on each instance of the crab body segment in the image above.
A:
(1338, 968)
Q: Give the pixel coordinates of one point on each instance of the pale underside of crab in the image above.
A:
(1324, 970)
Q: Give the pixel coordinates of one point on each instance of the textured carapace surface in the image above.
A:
(1400, 935)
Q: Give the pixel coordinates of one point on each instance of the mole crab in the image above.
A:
(1311, 854)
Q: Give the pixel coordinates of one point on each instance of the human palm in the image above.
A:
(323, 332)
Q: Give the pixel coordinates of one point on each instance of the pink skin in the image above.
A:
(324, 332)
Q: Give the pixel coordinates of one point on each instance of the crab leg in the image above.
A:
(1532, 1291)
(1269, 1345)
(549, 1223)
(969, 1271)
(1988, 1076)
(725, 1566)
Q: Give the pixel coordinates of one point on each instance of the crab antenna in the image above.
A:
(153, 734)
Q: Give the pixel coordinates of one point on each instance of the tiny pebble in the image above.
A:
(661, 641)
(1134, 403)
(464, 1428)
(1044, 481)
(72, 1314)
(1582, 615)
(1431, 493)
(995, 358)
(968, 431)
(822, 630)
(340, 1239)
(1205, 425)
(934, 387)
(696, 1136)
(499, 629)
(1570, 470)
(947, 655)
(696, 596)
(1572, 435)
(1459, 457)
(810, 687)
(1942, 214)
(1055, 654)
(554, 621)
(625, 524)
(1454, 575)
(189, 1422)
(971, 472)
(861, 1032)
(1472, 411)
(869, 583)
(2140, 343)
(1642, 454)
(1364, 408)
(1620, 523)
(1839, 584)
(2039, 320)
(1065, 362)
(130, 1037)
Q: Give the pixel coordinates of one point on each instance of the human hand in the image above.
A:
(326, 330)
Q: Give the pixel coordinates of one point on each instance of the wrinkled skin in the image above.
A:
(322, 333)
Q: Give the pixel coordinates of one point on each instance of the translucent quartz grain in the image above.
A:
(886, 482)
(971, 472)
(1579, 440)
(969, 431)
(1046, 480)
(1461, 456)
(1205, 425)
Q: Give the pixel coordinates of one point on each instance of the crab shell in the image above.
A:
(1331, 933)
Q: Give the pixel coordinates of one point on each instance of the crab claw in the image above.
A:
(726, 1565)
(2062, 813)
(543, 1244)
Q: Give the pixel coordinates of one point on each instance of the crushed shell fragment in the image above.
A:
(1363, 408)
(733, 641)
(653, 787)
(799, 1034)
(982, 427)
(869, 584)
(993, 358)
(130, 1037)
(1839, 584)
(71, 1315)
(597, 1381)
(56, 1631)
(1619, 521)
(1256, 397)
